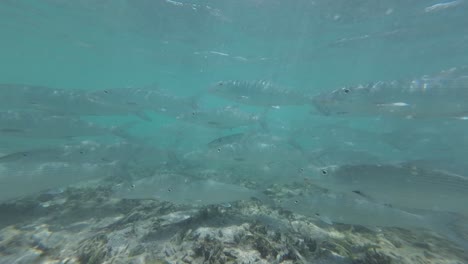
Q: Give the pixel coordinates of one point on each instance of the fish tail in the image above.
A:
(121, 132)
(195, 101)
(262, 120)
(453, 227)
(143, 116)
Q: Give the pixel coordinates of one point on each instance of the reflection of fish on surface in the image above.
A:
(180, 190)
(413, 98)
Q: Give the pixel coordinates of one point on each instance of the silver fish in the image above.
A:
(442, 6)
(39, 125)
(21, 96)
(29, 179)
(267, 158)
(59, 101)
(224, 118)
(260, 93)
(335, 207)
(414, 98)
(354, 209)
(429, 138)
(84, 152)
(136, 100)
(404, 185)
(181, 190)
(229, 139)
(256, 149)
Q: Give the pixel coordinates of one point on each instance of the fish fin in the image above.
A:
(369, 198)
(262, 120)
(194, 101)
(11, 156)
(153, 86)
(452, 226)
(235, 107)
(11, 130)
(325, 219)
(142, 115)
(173, 160)
(242, 98)
(361, 194)
(226, 205)
(263, 197)
(120, 131)
(293, 143)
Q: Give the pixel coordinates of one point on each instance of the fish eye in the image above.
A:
(324, 172)
(220, 83)
(132, 186)
(169, 190)
(346, 90)
(105, 91)
(296, 201)
(219, 149)
(301, 170)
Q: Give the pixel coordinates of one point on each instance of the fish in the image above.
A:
(182, 190)
(35, 97)
(223, 118)
(431, 144)
(76, 102)
(39, 125)
(265, 157)
(259, 93)
(429, 138)
(342, 144)
(441, 6)
(410, 99)
(86, 151)
(228, 139)
(349, 208)
(30, 179)
(138, 100)
(257, 149)
(354, 209)
(402, 185)
(38, 155)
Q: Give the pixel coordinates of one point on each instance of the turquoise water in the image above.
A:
(408, 166)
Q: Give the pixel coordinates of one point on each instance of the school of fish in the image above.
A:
(402, 165)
